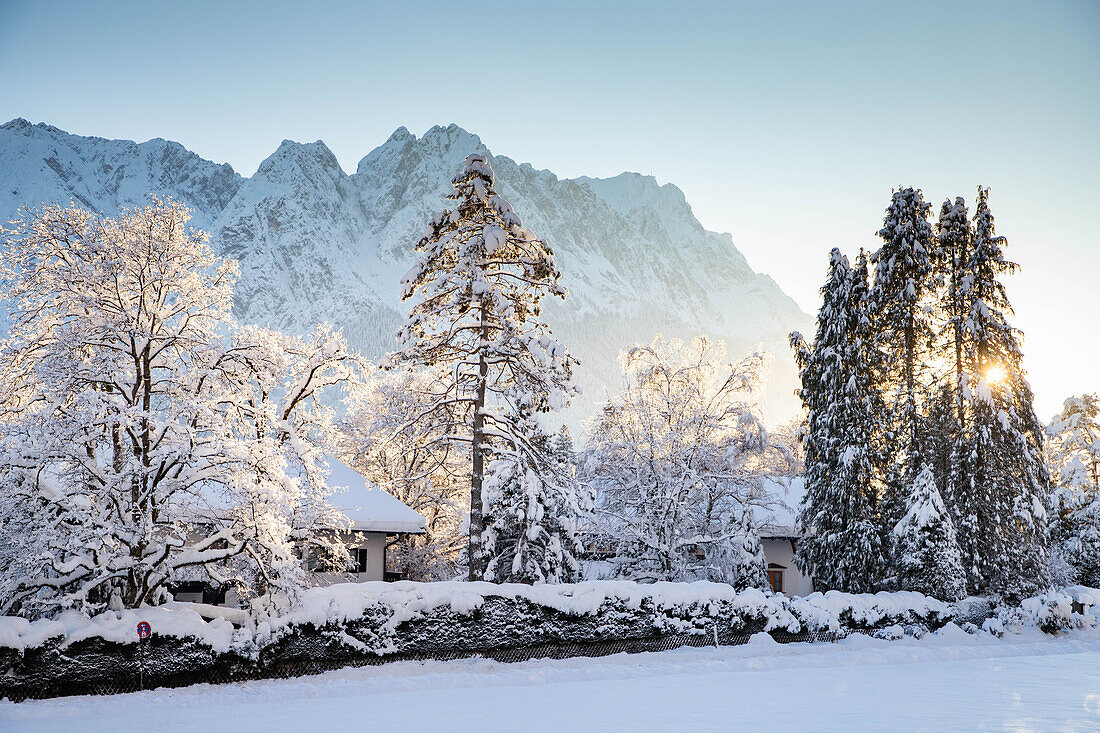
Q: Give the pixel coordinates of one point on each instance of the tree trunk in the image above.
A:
(477, 520)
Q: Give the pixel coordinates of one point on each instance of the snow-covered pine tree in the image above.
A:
(954, 235)
(675, 459)
(905, 279)
(533, 509)
(144, 439)
(480, 278)
(947, 413)
(1000, 502)
(843, 547)
(747, 568)
(926, 551)
(1074, 454)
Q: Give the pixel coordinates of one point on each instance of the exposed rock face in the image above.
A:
(318, 244)
(40, 163)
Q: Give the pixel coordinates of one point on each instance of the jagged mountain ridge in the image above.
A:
(316, 243)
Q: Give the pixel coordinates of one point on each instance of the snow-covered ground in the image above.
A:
(944, 682)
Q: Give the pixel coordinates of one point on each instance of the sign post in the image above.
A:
(143, 632)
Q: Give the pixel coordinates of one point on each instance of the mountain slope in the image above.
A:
(316, 244)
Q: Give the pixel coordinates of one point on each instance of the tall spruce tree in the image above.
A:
(844, 545)
(1002, 519)
(948, 411)
(905, 279)
(480, 277)
(954, 235)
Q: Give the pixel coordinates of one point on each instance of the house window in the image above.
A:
(775, 580)
(358, 560)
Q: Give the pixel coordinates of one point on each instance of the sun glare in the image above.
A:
(995, 374)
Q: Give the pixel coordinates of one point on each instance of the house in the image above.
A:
(779, 535)
(377, 520)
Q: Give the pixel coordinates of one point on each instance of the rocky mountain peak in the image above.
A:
(316, 244)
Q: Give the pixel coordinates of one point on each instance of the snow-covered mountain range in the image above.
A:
(316, 244)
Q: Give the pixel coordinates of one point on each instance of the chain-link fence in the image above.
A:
(17, 691)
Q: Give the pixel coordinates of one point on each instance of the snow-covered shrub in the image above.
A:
(352, 622)
(994, 625)
(1051, 612)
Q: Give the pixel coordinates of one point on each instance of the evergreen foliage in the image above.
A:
(534, 506)
(843, 547)
(926, 552)
(1074, 440)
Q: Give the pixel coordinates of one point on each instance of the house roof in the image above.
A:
(369, 508)
(780, 520)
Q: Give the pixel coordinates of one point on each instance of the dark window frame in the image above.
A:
(359, 560)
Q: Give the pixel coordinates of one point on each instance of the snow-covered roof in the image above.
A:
(369, 508)
(779, 520)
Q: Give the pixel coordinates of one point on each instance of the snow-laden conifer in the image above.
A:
(926, 552)
(999, 503)
(747, 563)
(953, 235)
(904, 281)
(533, 508)
(843, 546)
(948, 410)
(479, 279)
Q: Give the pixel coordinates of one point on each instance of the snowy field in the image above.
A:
(944, 682)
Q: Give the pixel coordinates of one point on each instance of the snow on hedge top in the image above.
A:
(833, 609)
(346, 601)
(171, 619)
(369, 508)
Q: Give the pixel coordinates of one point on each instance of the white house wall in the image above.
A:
(780, 551)
(375, 542)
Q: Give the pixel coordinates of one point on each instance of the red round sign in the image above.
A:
(144, 629)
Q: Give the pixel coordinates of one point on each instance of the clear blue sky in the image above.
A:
(785, 126)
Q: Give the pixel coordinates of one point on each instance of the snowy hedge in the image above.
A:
(371, 622)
